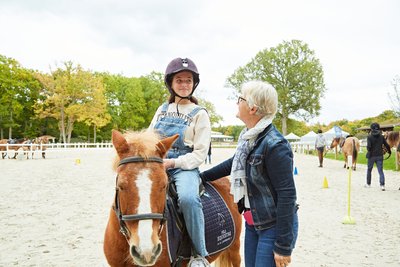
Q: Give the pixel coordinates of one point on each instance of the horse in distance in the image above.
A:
(350, 146)
(393, 139)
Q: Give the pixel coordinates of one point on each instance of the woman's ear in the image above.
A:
(253, 110)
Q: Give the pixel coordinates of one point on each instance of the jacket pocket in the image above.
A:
(256, 165)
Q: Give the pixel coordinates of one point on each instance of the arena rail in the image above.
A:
(30, 151)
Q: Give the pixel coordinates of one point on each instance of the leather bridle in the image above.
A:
(136, 217)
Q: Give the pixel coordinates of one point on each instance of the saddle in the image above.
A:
(219, 225)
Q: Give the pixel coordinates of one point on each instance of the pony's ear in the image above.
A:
(164, 145)
(119, 142)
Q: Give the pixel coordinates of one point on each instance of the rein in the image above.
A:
(136, 217)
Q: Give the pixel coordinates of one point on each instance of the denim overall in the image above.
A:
(187, 181)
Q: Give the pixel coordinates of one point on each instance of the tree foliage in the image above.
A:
(18, 90)
(295, 72)
(133, 101)
(214, 117)
(72, 94)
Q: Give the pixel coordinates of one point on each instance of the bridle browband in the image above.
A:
(136, 217)
(139, 159)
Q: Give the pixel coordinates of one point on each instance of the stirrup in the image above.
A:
(198, 261)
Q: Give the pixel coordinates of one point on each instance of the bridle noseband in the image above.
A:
(136, 217)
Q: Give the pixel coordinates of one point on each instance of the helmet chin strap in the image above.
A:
(181, 98)
(184, 97)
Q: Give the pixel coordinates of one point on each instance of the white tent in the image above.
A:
(292, 136)
(309, 137)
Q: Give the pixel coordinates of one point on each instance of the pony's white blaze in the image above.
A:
(145, 228)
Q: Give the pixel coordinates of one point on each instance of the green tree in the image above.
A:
(295, 72)
(126, 102)
(154, 92)
(93, 109)
(18, 89)
(69, 94)
(214, 117)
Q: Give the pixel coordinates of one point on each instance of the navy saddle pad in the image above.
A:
(219, 226)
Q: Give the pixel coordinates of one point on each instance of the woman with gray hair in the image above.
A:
(262, 179)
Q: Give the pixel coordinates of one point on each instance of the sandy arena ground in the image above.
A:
(53, 212)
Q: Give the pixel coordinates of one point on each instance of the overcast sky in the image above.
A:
(357, 42)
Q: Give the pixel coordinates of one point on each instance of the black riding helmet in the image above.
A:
(178, 65)
(375, 126)
(375, 129)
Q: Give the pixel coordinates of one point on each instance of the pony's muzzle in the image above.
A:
(147, 257)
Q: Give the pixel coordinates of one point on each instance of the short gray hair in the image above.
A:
(261, 95)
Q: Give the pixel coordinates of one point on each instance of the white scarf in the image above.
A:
(246, 144)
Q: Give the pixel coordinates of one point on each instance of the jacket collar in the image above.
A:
(263, 134)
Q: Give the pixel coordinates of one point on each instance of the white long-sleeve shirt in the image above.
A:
(197, 135)
(320, 141)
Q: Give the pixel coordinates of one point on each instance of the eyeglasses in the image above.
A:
(240, 99)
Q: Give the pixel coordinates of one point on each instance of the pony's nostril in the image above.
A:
(157, 249)
(135, 252)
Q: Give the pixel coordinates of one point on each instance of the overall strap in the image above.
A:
(164, 108)
(195, 111)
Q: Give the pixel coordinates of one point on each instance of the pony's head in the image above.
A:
(336, 141)
(141, 191)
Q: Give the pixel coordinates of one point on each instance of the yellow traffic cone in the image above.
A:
(325, 184)
(77, 161)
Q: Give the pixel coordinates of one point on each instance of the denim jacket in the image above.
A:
(270, 185)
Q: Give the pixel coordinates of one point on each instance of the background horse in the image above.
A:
(393, 139)
(3, 148)
(14, 144)
(135, 235)
(350, 147)
(41, 142)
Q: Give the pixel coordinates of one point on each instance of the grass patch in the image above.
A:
(388, 164)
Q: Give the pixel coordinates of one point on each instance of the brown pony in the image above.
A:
(3, 147)
(135, 235)
(16, 145)
(350, 147)
(393, 139)
(42, 141)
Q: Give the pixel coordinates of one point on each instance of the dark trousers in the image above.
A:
(379, 165)
(320, 151)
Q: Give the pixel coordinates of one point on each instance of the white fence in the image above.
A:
(31, 151)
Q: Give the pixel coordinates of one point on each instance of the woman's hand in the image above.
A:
(282, 261)
(169, 163)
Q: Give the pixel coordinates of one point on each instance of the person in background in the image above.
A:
(182, 115)
(320, 143)
(262, 181)
(374, 154)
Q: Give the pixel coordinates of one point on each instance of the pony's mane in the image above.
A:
(144, 142)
